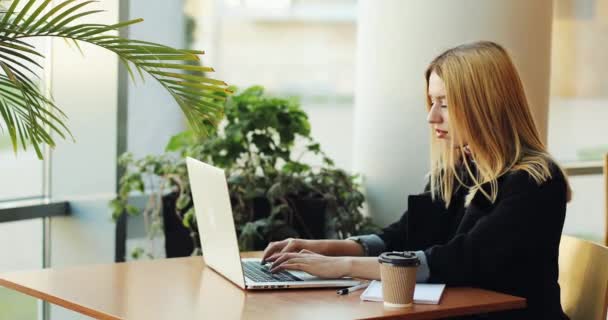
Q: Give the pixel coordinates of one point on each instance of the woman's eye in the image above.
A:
(444, 106)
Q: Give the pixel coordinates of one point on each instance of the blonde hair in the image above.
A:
(488, 109)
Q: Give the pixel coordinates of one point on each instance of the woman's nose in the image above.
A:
(434, 116)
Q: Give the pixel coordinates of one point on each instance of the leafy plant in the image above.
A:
(31, 117)
(255, 147)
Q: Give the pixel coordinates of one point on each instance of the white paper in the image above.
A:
(424, 293)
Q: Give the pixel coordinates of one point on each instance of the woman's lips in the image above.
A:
(441, 133)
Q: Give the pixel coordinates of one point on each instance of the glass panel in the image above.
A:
(578, 107)
(22, 173)
(22, 176)
(585, 217)
(579, 88)
(20, 249)
(306, 49)
(14, 305)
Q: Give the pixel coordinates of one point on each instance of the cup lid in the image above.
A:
(401, 259)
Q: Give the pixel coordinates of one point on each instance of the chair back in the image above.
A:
(583, 278)
(606, 199)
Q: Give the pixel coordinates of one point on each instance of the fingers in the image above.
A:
(270, 249)
(275, 249)
(292, 266)
(294, 259)
(281, 258)
(292, 246)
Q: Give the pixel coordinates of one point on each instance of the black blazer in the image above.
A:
(509, 246)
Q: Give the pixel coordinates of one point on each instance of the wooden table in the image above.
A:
(184, 288)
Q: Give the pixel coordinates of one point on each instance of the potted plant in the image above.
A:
(274, 195)
(32, 118)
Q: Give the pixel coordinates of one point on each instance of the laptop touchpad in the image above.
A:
(305, 275)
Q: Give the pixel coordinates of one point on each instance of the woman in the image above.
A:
(492, 213)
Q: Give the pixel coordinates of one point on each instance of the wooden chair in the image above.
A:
(583, 278)
(606, 198)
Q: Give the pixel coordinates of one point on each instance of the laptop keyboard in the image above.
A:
(261, 273)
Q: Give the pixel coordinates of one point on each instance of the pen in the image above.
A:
(353, 288)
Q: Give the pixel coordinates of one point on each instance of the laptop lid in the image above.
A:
(214, 219)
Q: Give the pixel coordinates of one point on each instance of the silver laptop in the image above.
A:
(219, 240)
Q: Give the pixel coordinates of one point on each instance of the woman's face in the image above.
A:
(438, 115)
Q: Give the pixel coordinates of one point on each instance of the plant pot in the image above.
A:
(313, 222)
(178, 242)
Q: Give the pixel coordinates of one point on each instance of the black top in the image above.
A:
(509, 246)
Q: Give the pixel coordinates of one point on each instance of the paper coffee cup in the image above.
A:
(398, 274)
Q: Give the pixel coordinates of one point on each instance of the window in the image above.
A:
(578, 108)
(20, 249)
(22, 173)
(579, 87)
(301, 48)
(21, 242)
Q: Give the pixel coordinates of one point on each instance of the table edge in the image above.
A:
(73, 306)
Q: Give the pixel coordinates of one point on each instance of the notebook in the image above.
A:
(425, 293)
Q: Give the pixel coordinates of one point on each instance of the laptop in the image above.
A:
(219, 241)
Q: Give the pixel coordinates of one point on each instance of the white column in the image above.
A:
(395, 42)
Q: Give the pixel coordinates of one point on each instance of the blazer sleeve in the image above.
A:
(524, 218)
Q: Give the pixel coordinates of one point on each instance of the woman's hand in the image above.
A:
(276, 249)
(325, 247)
(313, 263)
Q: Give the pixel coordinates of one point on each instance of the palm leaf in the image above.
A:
(32, 119)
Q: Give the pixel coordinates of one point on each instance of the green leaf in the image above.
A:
(9, 13)
(8, 72)
(189, 77)
(181, 140)
(179, 66)
(132, 210)
(57, 21)
(182, 201)
(19, 55)
(18, 63)
(10, 122)
(189, 218)
(117, 207)
(24, 49)
(137, 253)
(194, 85)
(116, 26)
(35, 15)
(47, 16)
(70, 19)
(31, 117)
(198, 93)
(23, 12)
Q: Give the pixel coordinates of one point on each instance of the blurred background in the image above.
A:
(294, 48)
